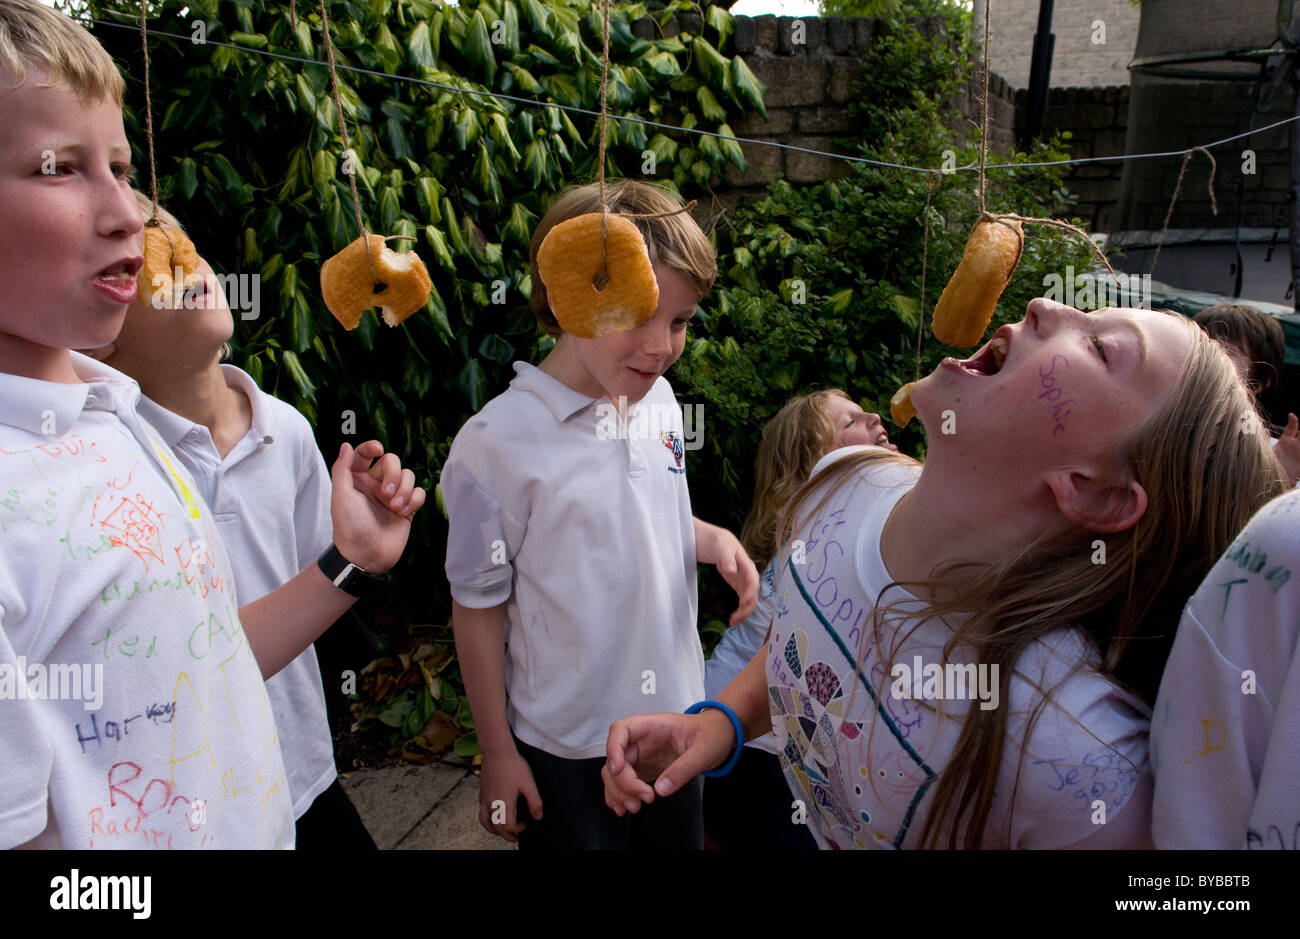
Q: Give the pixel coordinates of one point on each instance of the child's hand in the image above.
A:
(668, 750)
(1287, 450)
(371, 507)
(722, 549)
(503, 779)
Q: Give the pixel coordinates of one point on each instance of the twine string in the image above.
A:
(349, 169)
(932, 181)
(1178, 185)
(602, 275)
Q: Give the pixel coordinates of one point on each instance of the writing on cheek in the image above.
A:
(1052, 381)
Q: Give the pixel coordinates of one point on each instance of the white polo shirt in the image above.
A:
(270, 497)
(585, 528)
(112, 563)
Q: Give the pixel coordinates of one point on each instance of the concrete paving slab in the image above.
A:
(453, 824)
(395, 800)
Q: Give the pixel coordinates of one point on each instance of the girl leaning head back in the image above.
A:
(1106, 460)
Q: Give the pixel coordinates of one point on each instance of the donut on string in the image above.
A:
(966, 305)
(594, 291)
(352, 283)
(171, 266)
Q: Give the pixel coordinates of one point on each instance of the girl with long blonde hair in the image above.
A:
(751, 807)
(968, 654)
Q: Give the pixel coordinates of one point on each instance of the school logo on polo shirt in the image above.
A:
(674, 443)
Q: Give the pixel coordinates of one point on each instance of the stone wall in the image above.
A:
(809, 87)
(1079, 59)
(1097, 121)
(811, 84)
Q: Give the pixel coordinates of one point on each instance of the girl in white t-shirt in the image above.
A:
(750, 808)
(966, 654)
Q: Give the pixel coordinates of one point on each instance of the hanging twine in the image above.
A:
(1007, 217)
(348, 169)
(602, 275)
(1178, 185)
(932, 180)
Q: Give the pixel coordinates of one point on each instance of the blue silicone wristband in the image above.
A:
(728, 766)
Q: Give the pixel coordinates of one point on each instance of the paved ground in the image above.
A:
(421, 807)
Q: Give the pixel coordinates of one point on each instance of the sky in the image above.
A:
(775, 7)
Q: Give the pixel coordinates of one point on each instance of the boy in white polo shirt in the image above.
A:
(133, 710)
(255, 461)
(572, 540)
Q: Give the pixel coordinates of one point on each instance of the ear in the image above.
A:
(1097, 503)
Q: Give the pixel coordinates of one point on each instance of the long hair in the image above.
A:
(793, 441)
(1206, 465)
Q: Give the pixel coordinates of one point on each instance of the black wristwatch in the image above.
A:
(349, 578)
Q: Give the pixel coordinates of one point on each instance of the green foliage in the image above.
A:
(953, 10)
(852, 250)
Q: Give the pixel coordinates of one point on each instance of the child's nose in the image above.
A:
(658, 342)
(119, 213)
(1044, 313)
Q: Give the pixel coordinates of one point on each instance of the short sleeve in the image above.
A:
(1085, 771)
(483, 538)
(28, 756)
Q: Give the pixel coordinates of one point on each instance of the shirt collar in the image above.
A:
(29, 403)
(559, 398)
(173, 427)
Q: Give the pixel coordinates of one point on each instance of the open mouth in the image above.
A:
(121, 273)
(989, 360)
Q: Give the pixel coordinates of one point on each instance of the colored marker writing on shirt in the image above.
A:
(950, 681)
(648, 421)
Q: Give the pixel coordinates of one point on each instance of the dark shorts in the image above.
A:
(332, 824)
(751, 808)
(575, 817)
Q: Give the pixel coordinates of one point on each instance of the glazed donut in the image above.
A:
(900, 405)
(348, 284)
(966, 305)
(569, 261)
(166, 249)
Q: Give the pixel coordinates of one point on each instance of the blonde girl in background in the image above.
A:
(750, 807)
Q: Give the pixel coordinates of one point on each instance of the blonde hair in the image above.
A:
(793, 441)
(34, 35)
(673, 239)
(146, 212)
(1206, 471)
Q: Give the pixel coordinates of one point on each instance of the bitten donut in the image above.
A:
(165, 250)
(966, 305)
(900, 405)
(348, 284)
(569, 261)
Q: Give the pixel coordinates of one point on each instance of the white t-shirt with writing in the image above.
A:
(583, 526)
(112, 568)
(1225, 735)
(270, 497)
(863, 744)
